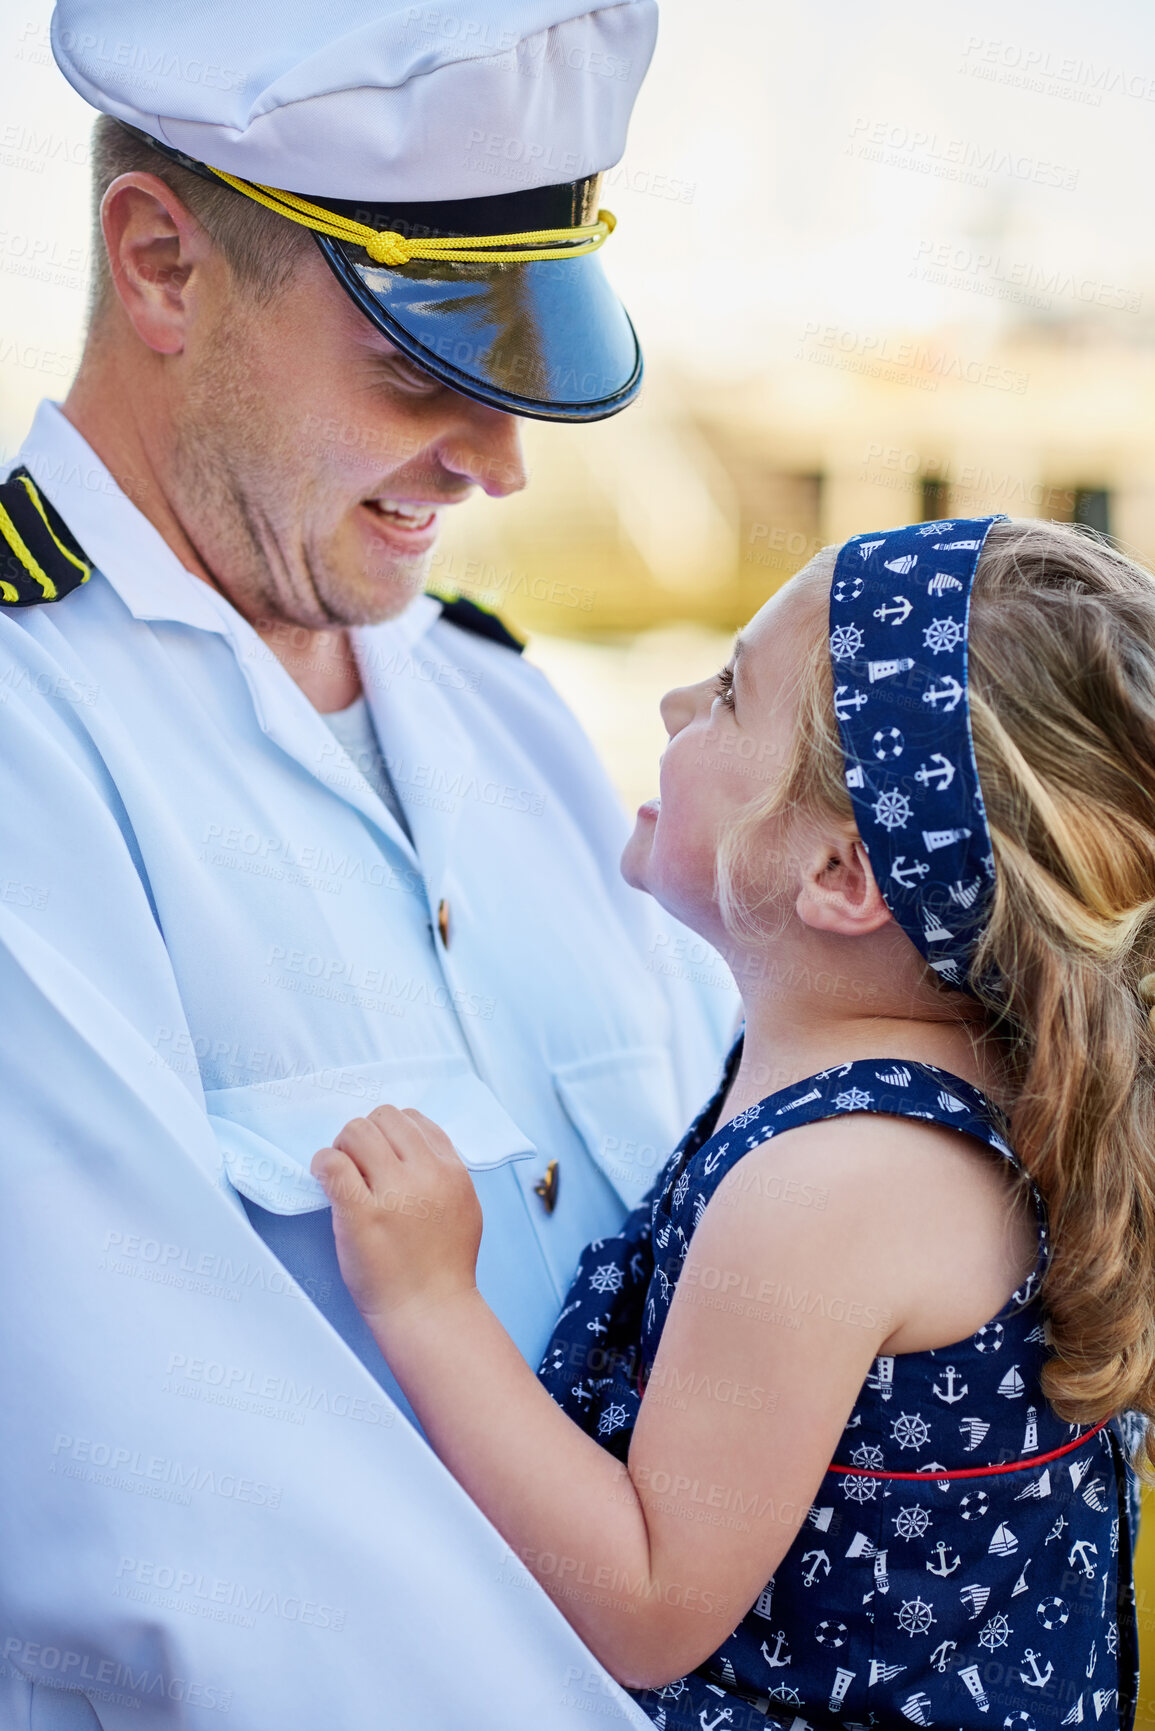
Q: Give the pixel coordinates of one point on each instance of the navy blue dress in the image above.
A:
(967, 1560)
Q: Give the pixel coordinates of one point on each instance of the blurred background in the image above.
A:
(888, 262)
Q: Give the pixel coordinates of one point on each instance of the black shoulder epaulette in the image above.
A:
(473, 618)
(40, 559)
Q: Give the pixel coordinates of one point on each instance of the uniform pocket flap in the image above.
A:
(269, 1133)
(624, 1106)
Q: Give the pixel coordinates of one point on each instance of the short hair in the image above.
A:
(260, 247)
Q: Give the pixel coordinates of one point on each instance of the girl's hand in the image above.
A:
(405, 1214)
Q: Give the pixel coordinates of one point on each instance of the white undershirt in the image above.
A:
(354, 731)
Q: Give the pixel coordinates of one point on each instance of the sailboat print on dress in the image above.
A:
(1003, 1541)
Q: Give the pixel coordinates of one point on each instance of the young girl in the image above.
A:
(830, 1434)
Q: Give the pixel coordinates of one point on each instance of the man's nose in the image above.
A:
(484, 448)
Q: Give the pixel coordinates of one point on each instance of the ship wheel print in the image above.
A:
(915, 1617)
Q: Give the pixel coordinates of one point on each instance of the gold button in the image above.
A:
(547, 1187)
(443, 921)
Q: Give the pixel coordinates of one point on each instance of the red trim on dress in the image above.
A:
(975, 1472)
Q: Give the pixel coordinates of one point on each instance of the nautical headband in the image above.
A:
(899, 610)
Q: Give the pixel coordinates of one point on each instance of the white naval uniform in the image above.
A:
(219, 945)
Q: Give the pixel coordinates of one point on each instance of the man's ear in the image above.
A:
(839, 892)
(155, 245)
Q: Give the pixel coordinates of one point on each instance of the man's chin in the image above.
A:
(374, 594)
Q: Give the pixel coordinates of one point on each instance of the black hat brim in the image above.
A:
(548, 339)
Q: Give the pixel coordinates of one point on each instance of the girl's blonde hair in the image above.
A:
(1062, 699)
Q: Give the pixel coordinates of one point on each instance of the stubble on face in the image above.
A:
(267, 516)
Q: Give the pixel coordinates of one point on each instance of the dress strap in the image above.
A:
(894, 1087)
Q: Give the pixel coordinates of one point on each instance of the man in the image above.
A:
(282, 838)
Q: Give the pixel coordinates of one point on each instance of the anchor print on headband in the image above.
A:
(899, 612)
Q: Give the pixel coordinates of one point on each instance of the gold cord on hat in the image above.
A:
(386, 247)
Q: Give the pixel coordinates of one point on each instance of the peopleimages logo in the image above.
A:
(91, 52)
(120, 1467)
(69, 1669)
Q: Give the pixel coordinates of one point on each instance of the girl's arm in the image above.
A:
(778, 1313)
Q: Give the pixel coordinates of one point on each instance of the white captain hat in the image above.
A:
(447, 159)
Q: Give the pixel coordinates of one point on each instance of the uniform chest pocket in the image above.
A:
(268, 1133)
(624, 1106)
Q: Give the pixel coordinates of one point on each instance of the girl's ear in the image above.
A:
(839, 892)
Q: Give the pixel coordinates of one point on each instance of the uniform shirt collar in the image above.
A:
(128, 551)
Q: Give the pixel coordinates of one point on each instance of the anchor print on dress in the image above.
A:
(955, 1388)
(1081, 1552)
(775, 1659)
(943, 1567)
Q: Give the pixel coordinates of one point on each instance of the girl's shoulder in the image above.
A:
(881, 1162)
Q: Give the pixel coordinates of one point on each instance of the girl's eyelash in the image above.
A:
(724, 686)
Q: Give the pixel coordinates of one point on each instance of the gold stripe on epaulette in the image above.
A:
(80, 564)
(16, 541)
